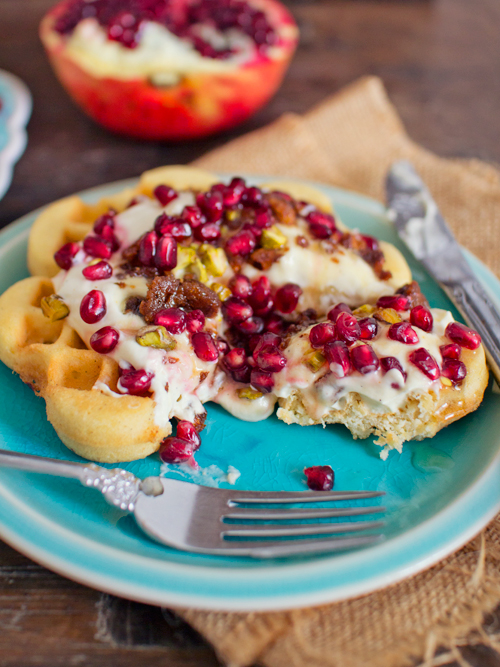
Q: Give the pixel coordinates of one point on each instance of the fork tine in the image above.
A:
(261, 514)
(282, 497)
(270, 549)
(284, 530)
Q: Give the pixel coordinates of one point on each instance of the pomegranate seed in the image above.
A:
(274, 324)
(421, 317)
(104, 221)
(453, 369)
(337, 355)
(235, 309)
(212, 205)
(240, 286)
(175, 450)
(371, 242)
(321, 225)
(207, 233)
(463, 336)
(165, 258)
(147, 249)
(347, 328)
(270, 359)
(388, 363)
(93, 307)
(135, 382)
(287, 298)
(194, 216)
(320, 478)
(364, 359)
(395, 301)
(236, 359)
(222, 346)
(105, 340)
(64, 256)
(238, 182)
(176, 227)
(368, 327)
(321, 334)
(265, 308)
(231, 195)
(195, 321)
(204, 346)
(242, 375)
(95, 246)
(263, 218)
(99, 271)
(165, 194)
(241, 243)
(267, 340)
(261, 380)
(336, 310)
(261, 291)
(187, 432)
(425, 363)
(252, 196)
(403, 333)
(108, 235)
(173, 319)
(450, 351)
(253, 325)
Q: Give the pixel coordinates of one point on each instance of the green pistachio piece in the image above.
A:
(157, 337)
(214, 259)
(315, 361)
(222, 291)
(273, 239)
(249, 393)
(54, 308)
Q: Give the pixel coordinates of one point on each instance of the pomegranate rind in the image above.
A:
(199, 105)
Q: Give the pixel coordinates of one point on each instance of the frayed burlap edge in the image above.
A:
(350, 140)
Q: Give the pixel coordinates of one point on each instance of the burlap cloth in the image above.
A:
(349, 141)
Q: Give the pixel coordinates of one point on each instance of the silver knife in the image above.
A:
(421, 226)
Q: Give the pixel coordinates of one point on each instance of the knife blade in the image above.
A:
(421, 226)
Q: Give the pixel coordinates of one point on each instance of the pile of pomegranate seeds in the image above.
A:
(180, 448)
(320, 478)
(124, 21)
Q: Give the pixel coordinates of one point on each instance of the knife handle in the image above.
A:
(481, 314)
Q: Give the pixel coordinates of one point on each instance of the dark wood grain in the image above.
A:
(439, 60)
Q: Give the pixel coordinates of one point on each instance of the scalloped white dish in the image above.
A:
(15, 110)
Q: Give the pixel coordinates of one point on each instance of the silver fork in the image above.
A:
(198, 518)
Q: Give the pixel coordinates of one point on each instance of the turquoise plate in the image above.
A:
(440, 492)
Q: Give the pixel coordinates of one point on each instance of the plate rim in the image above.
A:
(286, 601)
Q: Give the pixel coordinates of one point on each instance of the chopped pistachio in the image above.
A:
(155, 336)
(214, 259)
(199, 269)
(185, 257)
(446, 381)
(273, 239)
(222, 291)
(249, 393)
(388, 315)
(231, 215)
(54, 308)
(364, 311)
(314, 361)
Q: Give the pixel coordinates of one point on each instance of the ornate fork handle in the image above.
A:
(119, 487)
(477, 308)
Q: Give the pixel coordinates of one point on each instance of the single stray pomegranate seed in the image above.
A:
(173, 319)
(93, 307)
(195, 321)
(287, 298)
(337, 355)
(320, 478)
(364, 359)
(99, 271)
(165, 257)
(403, 333)
(64, 256)
(450, 351)
(95, 246)
(165, 194)
(175, 450)
(388, 363)
(186, 431)
(104, 340)
(425, 363)
(368, 327)
(135, 382)
(421, 317)
(395, 301)
(463, 336)
(336, 310)
(347, 328)
(261, 380)
(204, 346)
(321, 333)
(454, 370)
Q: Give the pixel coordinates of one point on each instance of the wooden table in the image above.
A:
(439, 61)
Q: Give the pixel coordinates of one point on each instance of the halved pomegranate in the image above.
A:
(169, 69)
